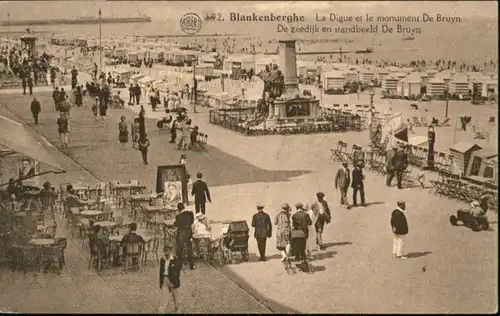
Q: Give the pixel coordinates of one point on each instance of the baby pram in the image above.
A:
(236, 240)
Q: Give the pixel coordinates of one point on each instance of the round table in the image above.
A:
(41, 242)
(106, 224)
(91, 213)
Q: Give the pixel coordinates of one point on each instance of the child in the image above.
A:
(421, 176)
(170, 272)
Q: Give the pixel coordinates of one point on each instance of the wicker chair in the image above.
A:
(133, 252)
(151, 247)
(63, 243)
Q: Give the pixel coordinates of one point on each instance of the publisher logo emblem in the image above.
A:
(190, 23)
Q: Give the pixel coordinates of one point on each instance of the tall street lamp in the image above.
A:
(100, 39)
(369, 151)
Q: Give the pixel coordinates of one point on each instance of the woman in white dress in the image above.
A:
(311, 244)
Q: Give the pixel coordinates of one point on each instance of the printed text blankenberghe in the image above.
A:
(289, 18)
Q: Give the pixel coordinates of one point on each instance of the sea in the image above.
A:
(473, 40)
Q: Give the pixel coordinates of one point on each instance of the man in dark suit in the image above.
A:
(399, 226)
(300, 232)
(184, 220)
(263, 229)
(388, 165)
(201, 194)
(399, 164)
(131, 237)
(35, 109)
(342, 181)
(358, 185)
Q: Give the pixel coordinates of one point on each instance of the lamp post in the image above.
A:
(195, 87)
(369, 151)
(447, 100)
(100, 39)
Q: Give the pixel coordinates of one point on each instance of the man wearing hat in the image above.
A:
(399, 164)
(300, 232)
(321, 207)
(399, 226)
(184, 221)
(342, 181)
(263, 229)
(388, 164)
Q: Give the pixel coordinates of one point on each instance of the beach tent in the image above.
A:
(16, 139)
(135, 78)
(145, 81)
(124, 73)
(484, 164)
(462, 153)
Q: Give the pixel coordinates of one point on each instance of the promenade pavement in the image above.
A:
(356, 273)
(81, 290)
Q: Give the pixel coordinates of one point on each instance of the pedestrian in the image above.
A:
(95, 106)
(342, 181)
(143, 147)
(173, 131)
(388, 165)
(135, 133)
(410, 126)
(35, 109)
(102, 108)
(283, 229)
(263, 229)
(142, 122)
(131, 95)
(170, 279)
(358, 185)
(399, 225)
(23, 84)
(63, 130)
(184, 221)
(55, 97)
(399, 164)
(300, 233)
(201, 194)
(321, 207)
(138, 92)
(123, 131)
(312, 239)
(30, 85)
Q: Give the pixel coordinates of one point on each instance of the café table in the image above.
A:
(136, 199)
(41, 242)
(90, 214)
(106, 225)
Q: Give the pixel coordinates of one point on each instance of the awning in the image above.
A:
(17, 138)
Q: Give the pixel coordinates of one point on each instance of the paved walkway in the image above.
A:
(80, 290)
(356, 273)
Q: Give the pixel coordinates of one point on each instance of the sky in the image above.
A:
(168, 9)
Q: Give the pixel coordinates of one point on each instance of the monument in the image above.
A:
(28, 42)
(291, 105)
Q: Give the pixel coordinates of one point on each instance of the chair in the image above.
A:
(407, 175)
(124, 199)
(84, 228)
(63, 242)
(133, 253)
(51, 230)
(151, 247)
(53, 257)
(39, 219)
(29, 257)
(96, 256)
(491, 120)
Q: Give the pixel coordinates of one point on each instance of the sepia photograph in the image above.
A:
(249, 157)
